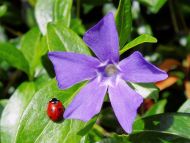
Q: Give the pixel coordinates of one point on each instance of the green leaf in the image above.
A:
(156, 137)
(52, 10)
(14, 111)
(31, 48)
(3, 36)
(33, 122)
(144, 38)
(77, 26)
(116, 139)
(43, 13)
(154, 5)
(13, 56)
(146, 137)
(185, 108)
(147, 90)
(3, 103)
(124, 21)
(157, 108)
(3, 10)
(62, 11)
(174, 124)
(61, 38)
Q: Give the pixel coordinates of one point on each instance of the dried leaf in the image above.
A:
(167, 83)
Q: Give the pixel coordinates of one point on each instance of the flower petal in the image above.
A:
(103, 39)
(72, 68)
(88, 102)
(136, 69)
(125, 103)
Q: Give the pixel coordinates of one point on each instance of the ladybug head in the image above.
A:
(54, 100)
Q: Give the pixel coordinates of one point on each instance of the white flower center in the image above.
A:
(110, 70)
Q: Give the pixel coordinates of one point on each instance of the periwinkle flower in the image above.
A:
(105, 73)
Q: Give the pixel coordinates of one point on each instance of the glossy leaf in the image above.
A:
(14, 110)
(146, 137)
(156, 137)
(77, 26)
(144, 38)
(168, 124)
(13, 56)
(62, 11)
(146, 90)
(185, 108)
(123, 21)
(157, 108)
(31, 48)
(52, 10)
(3, 103)
(43, 13)
(61, 38)
(32, 123)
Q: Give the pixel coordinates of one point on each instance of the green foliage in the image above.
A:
(172, 127)
(157, 108)
(13, 56)
(11, 118)
(185, 108)
(3, 103)
(123, 21)
(154, 5)
(139, 40)
(32, 49)
(147, 90)
(30, 29)
(52, 10)
(61, 38)
(3, 10)
(29, 121)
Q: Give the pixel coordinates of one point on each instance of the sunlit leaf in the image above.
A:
(61, 38)
(144, 38)
(52, 10)
(146, 90)
(123, 21)
(25, 119)
(185, 107)
(62, 11)
(14, 111)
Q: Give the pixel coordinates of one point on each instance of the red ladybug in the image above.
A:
(55, 110)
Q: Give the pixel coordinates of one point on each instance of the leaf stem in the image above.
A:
(78, 8)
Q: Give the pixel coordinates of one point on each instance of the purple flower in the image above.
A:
(104, 73)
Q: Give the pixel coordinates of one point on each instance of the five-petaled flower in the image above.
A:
(104, 73)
